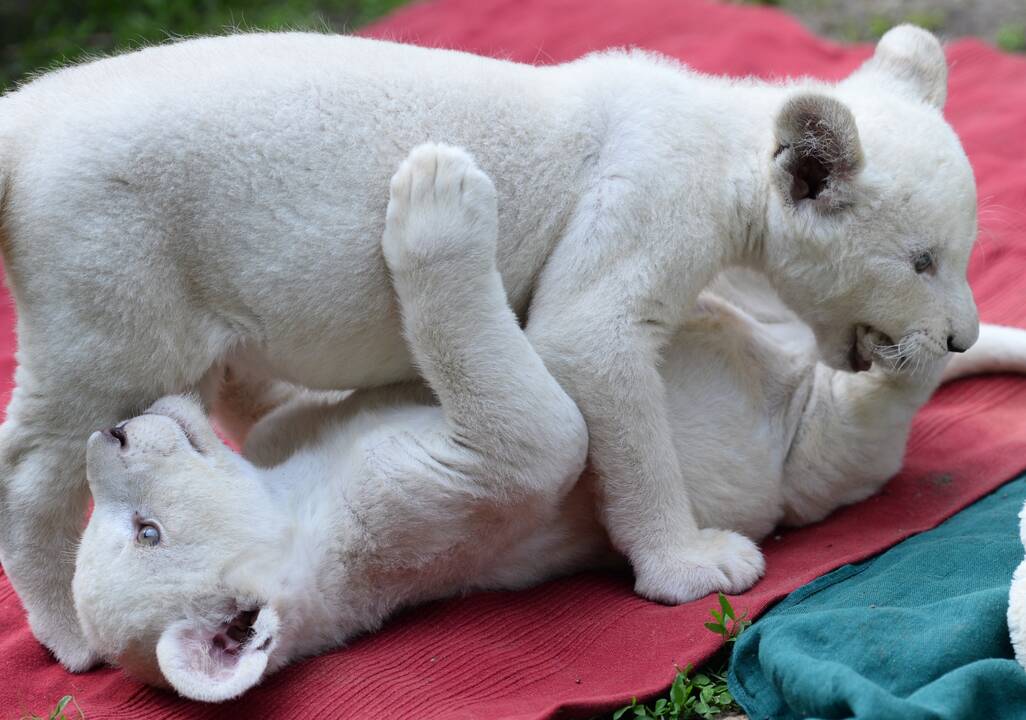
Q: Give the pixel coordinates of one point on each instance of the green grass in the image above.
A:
(40, 34)
(58, 712)
(932, 20)
(1012, 37)
(704, 694)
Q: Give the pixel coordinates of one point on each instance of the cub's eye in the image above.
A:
(147, 534)
(923, 262)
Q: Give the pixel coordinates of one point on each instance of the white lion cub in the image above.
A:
(221, 199)
(206, 571)
(215, 569)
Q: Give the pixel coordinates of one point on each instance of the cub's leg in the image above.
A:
(43, 493)
(510, 443)
(851, 436)
(601, 314)
(81, 367)
(853, 429)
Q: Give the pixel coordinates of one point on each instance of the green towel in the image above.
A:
(917, 632)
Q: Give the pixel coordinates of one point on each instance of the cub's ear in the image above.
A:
(218, 663)
(818, 151)
(911, 61)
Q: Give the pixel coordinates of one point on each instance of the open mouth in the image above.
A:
(864, 342)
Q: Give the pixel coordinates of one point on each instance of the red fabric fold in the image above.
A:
(586, 644)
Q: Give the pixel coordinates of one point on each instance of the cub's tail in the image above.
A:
(998, 349)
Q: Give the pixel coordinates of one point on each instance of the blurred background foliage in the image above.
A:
(1002, 22)
(39, 34)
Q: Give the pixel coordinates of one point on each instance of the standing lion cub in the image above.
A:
(222, 199)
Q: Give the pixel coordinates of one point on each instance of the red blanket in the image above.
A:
(586, 644)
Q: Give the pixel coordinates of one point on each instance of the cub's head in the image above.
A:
(167, 580)
(872, 210)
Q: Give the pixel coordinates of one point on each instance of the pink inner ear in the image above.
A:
(217, 655)
(221, 643)
(236, 633)
(209, 656)
(215, 663)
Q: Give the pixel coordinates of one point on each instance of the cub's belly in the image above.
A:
(342, 360)
(332, 320)
(334, 336)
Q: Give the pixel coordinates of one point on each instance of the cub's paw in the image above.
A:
(441, 207)
(708, 561)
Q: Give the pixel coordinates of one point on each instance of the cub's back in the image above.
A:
(246, 177)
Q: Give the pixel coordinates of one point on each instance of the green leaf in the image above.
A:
(727, 609)
(660, 706)
(58, 711)
(716, 628)
(677, 694)
(701, 679)
(62, 703)
(619, 713)
(725, 698)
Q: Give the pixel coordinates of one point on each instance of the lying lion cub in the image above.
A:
(206, 570)
(222, 199)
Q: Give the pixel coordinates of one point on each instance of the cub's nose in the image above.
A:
(117, 433)
(953, 346)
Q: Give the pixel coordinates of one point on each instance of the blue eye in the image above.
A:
(923, 262)
(148, 535)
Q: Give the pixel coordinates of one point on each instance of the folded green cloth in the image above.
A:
(917, 632)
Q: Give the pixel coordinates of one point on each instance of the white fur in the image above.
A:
(351, 507)
(1017, 601)
(355, 506)
(222, 199)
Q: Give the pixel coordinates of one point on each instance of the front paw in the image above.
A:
(441, 207)
(706, 562)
